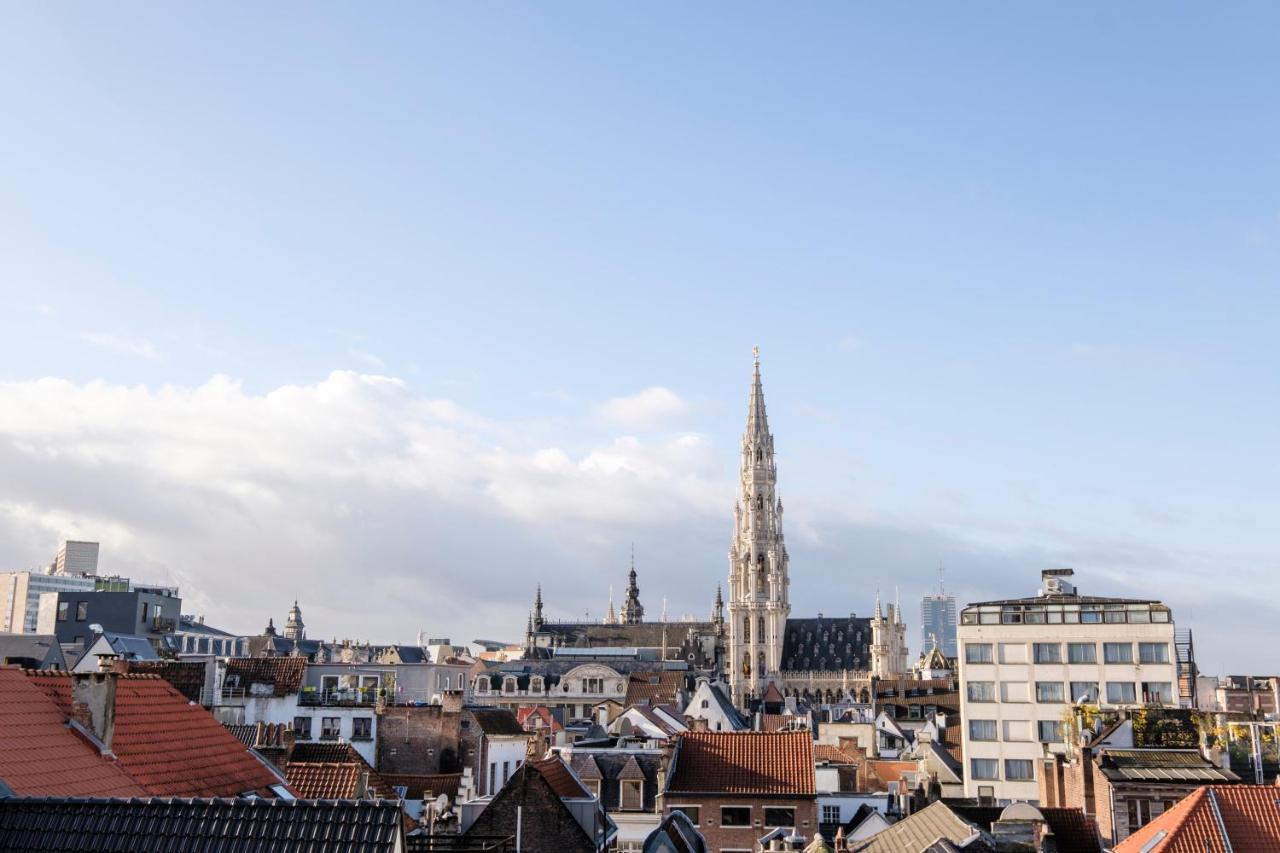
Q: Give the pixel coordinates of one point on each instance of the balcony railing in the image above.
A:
(164, 624)
(351, 697)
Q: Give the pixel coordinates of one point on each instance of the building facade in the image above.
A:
(938, 621)
(1025, 662)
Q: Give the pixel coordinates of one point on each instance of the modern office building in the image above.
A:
(938, 621)
(76, 558)
(1025, 662)
(75, 617)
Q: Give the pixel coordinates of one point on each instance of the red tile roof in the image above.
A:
(528, 717)
(1249, 814)
(313, 780)
(416, 785)
(40, 756)
(760, 763)
(283, 674)
(335, 754)
(559, 776)
(831, 754)
(187, 677)
(169, 746)
(653, 688)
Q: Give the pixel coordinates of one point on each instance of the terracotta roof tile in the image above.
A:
(744, 763)
(283, 674)
(416, 785)
(653, 688)
(40, 756)
(187, 677)
(1249, 814)
(558, 775)
(314, 780)
(341, 754)
(831, 754)
(168, 745)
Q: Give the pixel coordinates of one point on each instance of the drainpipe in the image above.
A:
(519, 821)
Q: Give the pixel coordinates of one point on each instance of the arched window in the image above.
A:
(760, 635)
(746, 629)
(760, 668)
(759, 455)
(760, 502)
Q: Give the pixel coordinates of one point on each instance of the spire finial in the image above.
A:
(755, 353)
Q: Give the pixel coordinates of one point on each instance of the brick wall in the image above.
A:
(743, 838)
(419, 740)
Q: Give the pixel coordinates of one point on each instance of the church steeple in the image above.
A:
(537, 609)
(759, 601)
(632, 609)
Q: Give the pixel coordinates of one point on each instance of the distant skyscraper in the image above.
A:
(77, 558)
(938, 619)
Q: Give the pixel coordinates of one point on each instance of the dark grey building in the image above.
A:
(150, 612)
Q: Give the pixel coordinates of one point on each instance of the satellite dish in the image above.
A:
(442, 803)
(96, 628)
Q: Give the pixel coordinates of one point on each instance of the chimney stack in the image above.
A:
(93, 703)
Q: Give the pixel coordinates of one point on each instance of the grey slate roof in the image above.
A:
(42, 649)
(54, 825)
(827, 644)
(1161, 765)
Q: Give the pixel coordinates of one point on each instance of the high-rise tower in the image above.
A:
(759, 601)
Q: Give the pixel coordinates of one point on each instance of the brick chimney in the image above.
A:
(451, 701)
(93, 703)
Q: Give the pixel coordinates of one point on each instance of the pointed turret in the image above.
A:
(294, 629)
(757, 419)
(611, 616)
(758, 579)
(537, 609)
(632, 609)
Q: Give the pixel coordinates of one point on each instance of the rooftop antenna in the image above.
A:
(942, 588)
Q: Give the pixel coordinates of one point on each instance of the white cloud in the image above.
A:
(330, 492)
(121, 343)
(648, 408)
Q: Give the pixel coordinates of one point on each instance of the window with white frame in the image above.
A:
(1049, 731)
(1048, 652)
(830, 814)
(1153, 652)
(1121, 693)
(1117, 652)
(1049, 691)
(1082, 653)
(981, 691)
(1085, 692)
(1019, 770)
(977, 653)
(1157, 692)
(984, 768)
(330, 728)
(982, 730)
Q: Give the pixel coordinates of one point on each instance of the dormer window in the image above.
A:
(509, 684)
(535, 684)
(482, 685)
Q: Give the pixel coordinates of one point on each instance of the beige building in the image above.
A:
(1025, 662)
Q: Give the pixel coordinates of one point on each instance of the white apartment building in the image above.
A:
(20, 596)
(1025, 662)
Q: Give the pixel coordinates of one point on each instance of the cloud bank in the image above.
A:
(385, 512)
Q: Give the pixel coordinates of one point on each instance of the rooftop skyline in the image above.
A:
(400, 315)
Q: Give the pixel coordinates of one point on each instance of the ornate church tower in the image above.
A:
(294, 629)
(759, 602)
(632, 609)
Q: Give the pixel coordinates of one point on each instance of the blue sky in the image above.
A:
(1013, 275)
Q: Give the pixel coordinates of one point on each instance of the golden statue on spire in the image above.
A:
(755, 353)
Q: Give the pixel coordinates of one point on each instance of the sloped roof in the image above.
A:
(653, 688)
(41, 648)
(1247, 815)
(187, 677)
(251, 825)
(1161, 765)
(676, 833)
(921, 829)
(315, 780)
(416, 784)
(1075, 831)
(130, 646)
(758, 763)
(323, 751)
(560, 777)
(261, 736)
(284, 674)
(169, 746)
(496, 721)
(827, 644)
(41, 756)
(831, 754)
(334, 755)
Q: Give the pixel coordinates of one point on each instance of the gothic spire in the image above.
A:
(537, 608)
(632, 610)
(611, 617)
(757, 420)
